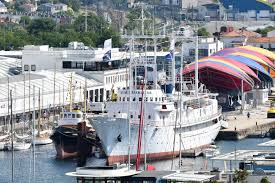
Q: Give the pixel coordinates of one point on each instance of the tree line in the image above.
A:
(46, 31)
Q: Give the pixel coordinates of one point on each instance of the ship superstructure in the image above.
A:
(172, 122)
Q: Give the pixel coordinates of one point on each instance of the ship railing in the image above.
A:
(200, 119)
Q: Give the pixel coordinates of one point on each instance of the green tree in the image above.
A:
(41, 25)
(25, 21)
(74, 4)
(264, 31)
(240, 176)
(203, 32)
(133, 23)
(95, 23)
(265, 180)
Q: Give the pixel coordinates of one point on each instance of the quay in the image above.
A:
(240, 126)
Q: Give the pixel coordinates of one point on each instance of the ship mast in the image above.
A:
(140, 128)
(196, 67)
(130, 93)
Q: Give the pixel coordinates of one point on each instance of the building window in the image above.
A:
(77, 65)
(108, 94)
(90, 66)
(26, 67)
(33, 67)
(101, 94)
(202, 52)
(91, 95)
(67, 65)
(96, 95)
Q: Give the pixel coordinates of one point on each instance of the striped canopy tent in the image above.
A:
(251, 54)
(262, 74)
(262, 51)
(234, 64)
(220, 74)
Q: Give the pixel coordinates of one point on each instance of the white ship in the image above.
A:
(172, 122)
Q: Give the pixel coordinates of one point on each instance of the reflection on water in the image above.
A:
(49, 169)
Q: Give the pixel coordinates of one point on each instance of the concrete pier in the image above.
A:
(240, 126)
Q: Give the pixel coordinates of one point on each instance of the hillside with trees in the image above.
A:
(46, 31)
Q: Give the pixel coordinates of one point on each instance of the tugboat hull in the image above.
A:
(68, 144)
(65, 141)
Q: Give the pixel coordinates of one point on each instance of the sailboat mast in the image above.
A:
(54, 78)
(33, 135)
(39, 112)
(85, 96)
(71, 94)
(24, 106)
(12, 149)
(8, 98)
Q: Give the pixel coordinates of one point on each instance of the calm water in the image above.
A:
(49, 169)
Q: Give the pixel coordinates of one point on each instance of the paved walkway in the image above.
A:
(240, 121)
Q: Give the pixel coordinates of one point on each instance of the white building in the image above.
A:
(233, 38)
(23, 87)
(53, 8)
(108, 74)
(271, 34)
(262, 42)
(207, 47)
(3, 8)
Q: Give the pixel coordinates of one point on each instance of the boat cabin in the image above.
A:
(70, 117)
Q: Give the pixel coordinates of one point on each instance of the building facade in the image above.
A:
(53, 8)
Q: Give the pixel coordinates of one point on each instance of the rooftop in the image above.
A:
(261, 39)
(240, 33)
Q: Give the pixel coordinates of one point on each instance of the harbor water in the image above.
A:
(48, 169)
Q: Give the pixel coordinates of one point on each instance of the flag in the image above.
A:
(107, 56)
(108, 44)
(169, 56)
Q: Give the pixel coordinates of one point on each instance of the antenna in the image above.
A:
(142, 18)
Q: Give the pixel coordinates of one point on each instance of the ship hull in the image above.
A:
(66, 143)
(158, 141)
